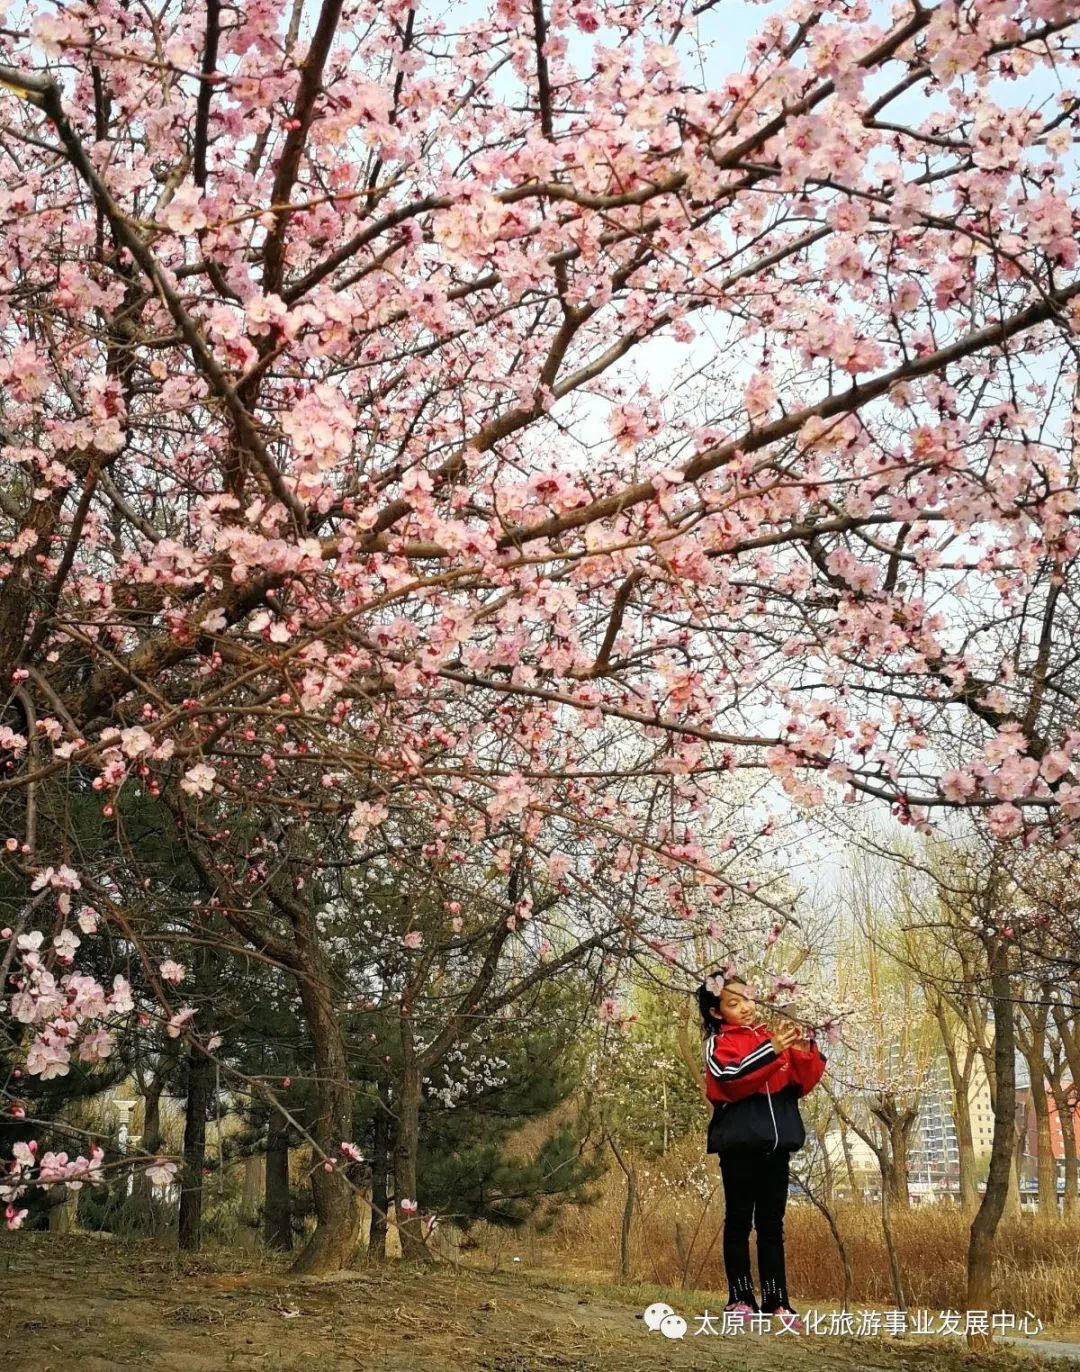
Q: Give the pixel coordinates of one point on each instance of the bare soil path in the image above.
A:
(82, 1304)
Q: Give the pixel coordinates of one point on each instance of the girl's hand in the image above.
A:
(785, 1036)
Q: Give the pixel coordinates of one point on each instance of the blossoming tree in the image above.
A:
(476, 422)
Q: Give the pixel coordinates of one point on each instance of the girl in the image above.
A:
(754, 1080)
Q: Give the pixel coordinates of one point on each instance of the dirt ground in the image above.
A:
(85, 1304)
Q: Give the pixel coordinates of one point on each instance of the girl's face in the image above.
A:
(737, 1004)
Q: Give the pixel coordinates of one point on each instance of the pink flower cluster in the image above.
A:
(26, 1169)
(70, 1015)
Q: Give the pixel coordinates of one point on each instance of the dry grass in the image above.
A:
(682, 1208)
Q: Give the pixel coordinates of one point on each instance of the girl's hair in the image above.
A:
(708, 997)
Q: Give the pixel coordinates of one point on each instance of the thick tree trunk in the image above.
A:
(254, 1186)
(62, 1211)
(899, 1196)
(980, 1265)
(199, 1090)
(890, 1244)
(380, 1168)
(277, 1209)
(1047, 1166)
(1066, 1019)
(407, 1151)
(338, 1211)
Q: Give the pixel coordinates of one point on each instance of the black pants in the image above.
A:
(755, 1192)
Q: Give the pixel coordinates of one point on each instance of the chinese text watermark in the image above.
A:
(845, 1323)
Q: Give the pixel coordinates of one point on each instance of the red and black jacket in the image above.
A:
(754, 1090)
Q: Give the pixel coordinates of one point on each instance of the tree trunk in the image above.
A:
(899, 1196)
(827, 1168)
(254, 1187)
(849, 1165)
(1066, 1020)
(630, 1172)
(277, 1209)
(965, 1142)
(407, 1150)
(380, 1168)
(980, 1265)
(1020, 1134)
(890, 1246)
(150, 1144)
(199, 1090)
(960, 1080)
(62, 1211)
(338, 1210)
(1068, 1138)
(1046, 1165)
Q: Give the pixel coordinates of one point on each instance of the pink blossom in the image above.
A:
(96, 1045)
(179, 1021)
(956, 786)
(198, 780)
(1005, 820)
(184, 212)
(1055, 764)
(161, 1172)
(65, 943)
(48, 1057)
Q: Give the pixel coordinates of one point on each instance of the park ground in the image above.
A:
(88, 1304)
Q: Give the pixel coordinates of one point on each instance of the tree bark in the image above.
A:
(1067, 1120)
(1067, 1020)
(899, 1195)
(965, 1141)
(1032, 1039)
(1046, 1165)
(897, 1124)
(849, 1164)
(980, 1264)
(199, 1090)
(380, 1168)
(254, 1187)
(277, 1216)
(406, 1152)
(63, 1210)
(960, 1080)
(890, 1245)
(827, 1168)
(150, 1144)
(338, 1209)
(630, 1172)
(1020, 1134)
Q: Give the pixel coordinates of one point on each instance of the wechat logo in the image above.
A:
(662, 1317)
